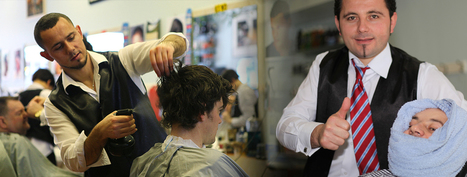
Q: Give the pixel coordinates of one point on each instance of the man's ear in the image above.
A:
(203, 117)
(46, 56)
(49, 83)
(3, 124)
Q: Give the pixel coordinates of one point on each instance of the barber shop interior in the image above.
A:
(118, 88)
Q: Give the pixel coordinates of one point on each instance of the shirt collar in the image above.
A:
(96, 59)
(171, 141)
(380, 64)
(35, 86)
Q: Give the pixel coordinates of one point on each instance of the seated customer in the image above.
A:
(192, 98)
(18, 157)
(428, 138)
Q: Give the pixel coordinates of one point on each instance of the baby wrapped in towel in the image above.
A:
(428, 138)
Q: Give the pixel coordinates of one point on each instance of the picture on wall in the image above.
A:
(5, 68)
(35, 7)
(94, 1)
(19, 65)
(175, 24)
(137, 34)
(153, 30)
(245, 29)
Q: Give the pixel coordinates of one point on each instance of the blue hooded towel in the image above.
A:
(443, 154)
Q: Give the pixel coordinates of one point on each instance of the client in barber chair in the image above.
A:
(428, 138)
(18, 156)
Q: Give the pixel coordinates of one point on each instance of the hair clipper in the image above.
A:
(121, 146)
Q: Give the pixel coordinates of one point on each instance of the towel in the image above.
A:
(443, 154)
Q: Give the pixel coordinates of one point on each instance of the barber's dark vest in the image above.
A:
(117, 91)
(391, 93)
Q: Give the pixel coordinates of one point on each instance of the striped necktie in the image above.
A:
(362, 126)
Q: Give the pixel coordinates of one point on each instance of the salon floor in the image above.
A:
(285, 165)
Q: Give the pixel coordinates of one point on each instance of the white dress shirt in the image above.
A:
(298, 120)
(135, 60)
(246, 102)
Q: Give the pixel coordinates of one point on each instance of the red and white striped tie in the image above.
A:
(362, 126)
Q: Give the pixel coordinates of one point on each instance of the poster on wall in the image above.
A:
(176, 24)
(5, 65)
(244, 28)
(137, 34)
(94, 1)
(153, 30)
(188, 20)
(19, 65)
(35, 7)
(126, 34)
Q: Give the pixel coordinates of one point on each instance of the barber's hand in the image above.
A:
(162, 58)
(114, 127)
(335, 131)
(34, 106)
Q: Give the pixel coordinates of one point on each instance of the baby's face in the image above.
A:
(424, 123)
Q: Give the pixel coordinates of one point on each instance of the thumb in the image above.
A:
(344, 108)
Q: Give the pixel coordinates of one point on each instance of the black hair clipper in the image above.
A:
(121, 146)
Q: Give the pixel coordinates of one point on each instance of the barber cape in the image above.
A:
(443, 154)
(173, 159)
(18, 158)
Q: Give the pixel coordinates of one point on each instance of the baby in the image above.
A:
(428, 138)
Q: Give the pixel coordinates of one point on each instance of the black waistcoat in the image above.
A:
(391, 93)
(117, 91)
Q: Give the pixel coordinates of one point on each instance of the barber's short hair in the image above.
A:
(46, 22)
(230, 75)
(390, 4)
(4, 104)
(189, 92)
(44, 75)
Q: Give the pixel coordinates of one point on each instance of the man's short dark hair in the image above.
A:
(3, 104)
(44, 75)
(230, 75)
(280, 7)
(46, 22)
(390, 4)
(189, 92)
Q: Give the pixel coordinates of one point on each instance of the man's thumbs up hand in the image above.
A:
(335, 131)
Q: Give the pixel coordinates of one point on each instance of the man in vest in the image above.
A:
(377, 77)
(81, 109)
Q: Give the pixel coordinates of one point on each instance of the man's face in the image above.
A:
(365, 26)
(64, 44)
(16, 119)
(212, 123)
(425, 123)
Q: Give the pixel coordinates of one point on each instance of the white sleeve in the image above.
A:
(434, 85)
(44, 93)
(70, 142)
(246, 101)
(298, 120)
(135, 57)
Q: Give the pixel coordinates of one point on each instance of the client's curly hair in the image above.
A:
(190, 91)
